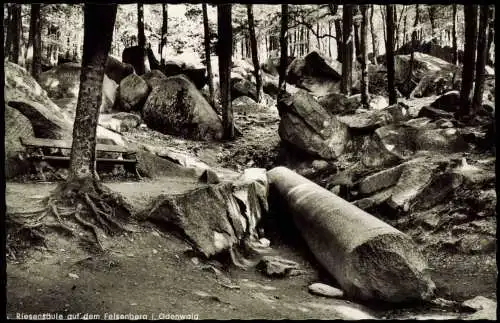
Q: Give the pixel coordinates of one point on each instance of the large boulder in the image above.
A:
(196, 75)
(372, 119)
(132, 93)
(313, 73)
(153, 78)
(394, 143)
(138, 58)
(306, 125)
(448, 102)
(243, 88)
(271, 65)
(430, 74)
(24, 94)
(120, 122)
(16, 125)
(177, 107)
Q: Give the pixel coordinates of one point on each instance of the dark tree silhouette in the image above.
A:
(389, 48)
(224, 47)
(347, 30)
(164, 32)
(470, 12)
(34, 52)
(283, 47)
(255, 56)
(454, 35)
(414, 43)
(15, 29)
(482, 56)
(210, 76)
(374, 36)
(364, 56)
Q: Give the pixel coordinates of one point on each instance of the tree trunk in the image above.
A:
(347, 30)
(255, 56)
(302, 45)
(374, 36)
(208, 63)
(318, 40)
(339, 36)
(404, 31)
(432, 19)
(454, 35)
(34, 52)
(15, 30)
(225, 32)
(389, 49)
(413, 47)
(357, 44)
(164, 32)
(141, 37)
(470, 15)
(491, 32)
(330, 39)
(364, 57)
(8, 33)
(308, 41)
(482, 57)
(384, 24)
(97, 42)
(283, 50)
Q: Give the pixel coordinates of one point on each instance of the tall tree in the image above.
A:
(255, 56)
(364, 56)
(283, 47)
(224, 47)
(432, 18)
(15, 29)
(96, 45)
(491, 29)
(356, 22)
(141, 39)
(34, 52)
(208, 61)
(347, 31)
(330, 39)
(482, 57)
(338, 31)
(413, 46)
(374, 36)
(454, 35)
(470, 15)
(8, 27)
(164, 32)
(389, 49)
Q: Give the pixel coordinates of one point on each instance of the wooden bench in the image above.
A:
(35, 146)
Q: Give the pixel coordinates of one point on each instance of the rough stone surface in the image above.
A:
(448, 102)
(380, 180)
(308, 126)
(360, 251)
(325, 290)
(276, 266)
(153, 78)
(313, 73)
(486, 309)
(338, 103)
(177, 107)
(243, 88)
(132, 93)
(434, 113)
(16, 125)
(376, 118)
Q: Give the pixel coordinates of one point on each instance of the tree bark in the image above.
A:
(208, 63)
(365, 96)
(283, 50)
(432, 18)
(357, 44)
(454, 35)
(225, 32)
(164, 32)
(384, 24)
(34, 52)
(330, 39)
(374, 36)
(482, 57)
(389, 48)
(413, 46)
(308, 41)
(255, 56)
(141, 38)
(8, 34)
(318, 40)
(491, 31)
(470, 13)
(97, 42)
(338, 35)
(347, 30)
(15, 30)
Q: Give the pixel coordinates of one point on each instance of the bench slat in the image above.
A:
(103, 160)
(66, 144)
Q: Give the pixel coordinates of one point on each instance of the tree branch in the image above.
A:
(309, 26)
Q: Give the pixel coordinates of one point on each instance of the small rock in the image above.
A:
(264, 242)
(74, 276)
(195, 260)
(209, 177)
(155, 251)
(275, 266)
(485, 308)
(325, 290)
(319, 164)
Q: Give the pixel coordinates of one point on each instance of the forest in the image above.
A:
(346, 153)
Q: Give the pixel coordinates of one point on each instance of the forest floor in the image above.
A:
(155, 274)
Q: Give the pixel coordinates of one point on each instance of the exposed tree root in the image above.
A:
(86, 210)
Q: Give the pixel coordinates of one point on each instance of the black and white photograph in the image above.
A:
(195, 161)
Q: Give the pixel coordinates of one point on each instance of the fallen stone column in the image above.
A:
(369, 259)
